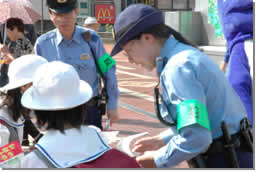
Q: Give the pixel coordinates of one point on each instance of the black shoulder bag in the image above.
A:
(103, 97)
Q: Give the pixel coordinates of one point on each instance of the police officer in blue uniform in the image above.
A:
(83, 49)
(208, 125)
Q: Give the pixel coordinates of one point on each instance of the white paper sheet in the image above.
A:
(124, 144)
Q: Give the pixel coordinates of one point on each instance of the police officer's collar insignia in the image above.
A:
(86, 35)
(61, 1)
(84, 56)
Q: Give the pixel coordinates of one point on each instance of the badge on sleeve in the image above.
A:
(192, 112)
(84, 56)
(106, 62)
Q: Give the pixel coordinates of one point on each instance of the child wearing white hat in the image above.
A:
(91, 23)
(59, 97)
(20, 75)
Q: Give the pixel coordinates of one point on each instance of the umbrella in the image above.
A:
(22, 9)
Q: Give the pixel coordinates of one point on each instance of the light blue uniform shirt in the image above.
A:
(53, 46)
(190, 74)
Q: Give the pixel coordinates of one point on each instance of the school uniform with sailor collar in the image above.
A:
(74, 147)
(5, 135)
(187, 75)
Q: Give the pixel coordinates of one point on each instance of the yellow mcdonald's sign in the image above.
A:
(149, 2)
(104, 12)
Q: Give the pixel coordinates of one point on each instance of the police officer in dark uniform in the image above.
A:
(83, 49)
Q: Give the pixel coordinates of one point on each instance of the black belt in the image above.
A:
(217, 145)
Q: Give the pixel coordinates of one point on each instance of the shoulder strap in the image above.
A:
(87, 37)
(43, 158)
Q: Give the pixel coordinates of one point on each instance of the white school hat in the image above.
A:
(56, 86)
(21, 71)
(90, 20)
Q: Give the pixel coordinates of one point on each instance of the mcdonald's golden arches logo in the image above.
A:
(104, 12)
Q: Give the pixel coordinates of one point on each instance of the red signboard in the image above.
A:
(105, 13)
(10, 150)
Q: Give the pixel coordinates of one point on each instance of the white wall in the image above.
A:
(37, 4)
(117, 7)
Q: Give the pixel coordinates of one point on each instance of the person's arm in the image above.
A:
(111, 83)
(168, 134)
(180, 82)
(4, 49)
(189, 143)
(154, 142)
(4, 135)
(223, 64)
(184, 83)
(6, 56)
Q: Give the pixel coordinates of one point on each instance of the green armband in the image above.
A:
(192, 112)
(105, 62)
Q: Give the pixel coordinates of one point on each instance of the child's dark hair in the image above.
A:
(58, 119)
(12, 99)
(163, 31)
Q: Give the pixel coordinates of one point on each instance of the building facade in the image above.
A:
(190, 17)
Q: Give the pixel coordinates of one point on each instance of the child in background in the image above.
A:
(20, 75)
(91, 23)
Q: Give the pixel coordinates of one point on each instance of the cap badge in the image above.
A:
(61, 1)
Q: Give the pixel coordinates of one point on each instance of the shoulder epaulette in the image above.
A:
(94, 37)
(89, 36)
(48, 35)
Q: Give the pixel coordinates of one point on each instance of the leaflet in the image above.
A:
(11, 155)
(125, 143)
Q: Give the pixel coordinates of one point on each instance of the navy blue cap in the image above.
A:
(132, 21)
(62, 6)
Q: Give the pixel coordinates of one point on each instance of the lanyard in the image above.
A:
(160, 64)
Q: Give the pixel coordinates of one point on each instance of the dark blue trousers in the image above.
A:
(220, 161)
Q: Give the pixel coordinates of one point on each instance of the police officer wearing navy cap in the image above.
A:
(208, 125)
(83, 49)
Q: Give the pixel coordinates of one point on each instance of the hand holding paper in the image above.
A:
(148, 144)
(125, 143)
